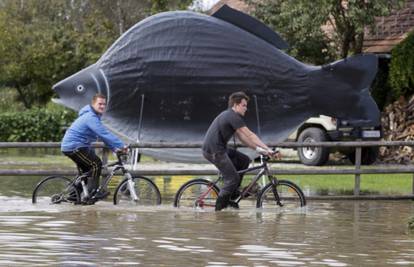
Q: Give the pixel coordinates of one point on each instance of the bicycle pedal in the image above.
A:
(234, 205)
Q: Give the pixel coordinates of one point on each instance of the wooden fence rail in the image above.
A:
(198, 145)
(356, 171)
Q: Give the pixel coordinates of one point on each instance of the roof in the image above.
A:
(235, 4)
(391, 30)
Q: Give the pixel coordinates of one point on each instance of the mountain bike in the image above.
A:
(137, 190)
(279, 194)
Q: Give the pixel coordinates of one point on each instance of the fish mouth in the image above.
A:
(61, 102)
(78, 89)
(58, 101)
(67, 104)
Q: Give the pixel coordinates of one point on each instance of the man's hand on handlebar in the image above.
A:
(275, 154)
(123, 150)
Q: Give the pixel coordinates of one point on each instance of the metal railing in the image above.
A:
(357, 171)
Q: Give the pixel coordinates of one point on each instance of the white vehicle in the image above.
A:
(325, 128)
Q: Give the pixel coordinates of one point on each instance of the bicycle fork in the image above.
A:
(275, 193)
(131, 187)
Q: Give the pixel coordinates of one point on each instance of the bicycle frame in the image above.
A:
(264, 170)
(118, 165)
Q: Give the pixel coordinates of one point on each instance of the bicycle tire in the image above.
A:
(146, 190)
(189, 192)
(55, 190)
(290, 195)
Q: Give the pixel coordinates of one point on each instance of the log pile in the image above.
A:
(398, 125)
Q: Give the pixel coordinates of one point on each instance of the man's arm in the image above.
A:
(108, 138)
(250, 139)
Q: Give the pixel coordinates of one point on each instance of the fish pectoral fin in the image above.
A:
(250, 25)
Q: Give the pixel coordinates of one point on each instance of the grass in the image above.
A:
(378, 184)
(384, 184)
(387, 184)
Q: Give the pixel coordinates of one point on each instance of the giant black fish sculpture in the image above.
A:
(168, 76)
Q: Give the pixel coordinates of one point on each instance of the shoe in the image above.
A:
(101, 195)
(87, 202)
(222, 202)
(235, 195)
(233, 205)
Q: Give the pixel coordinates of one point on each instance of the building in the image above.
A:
(391, 30)
(388, 31)
(235, 4)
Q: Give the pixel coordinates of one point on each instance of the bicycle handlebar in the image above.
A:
(119, 154)
(265, 158)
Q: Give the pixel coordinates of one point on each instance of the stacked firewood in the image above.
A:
(398, 125)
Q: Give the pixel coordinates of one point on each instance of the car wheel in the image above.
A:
(313, 156)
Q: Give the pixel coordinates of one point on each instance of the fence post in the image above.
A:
(357, 186)
(413, 184)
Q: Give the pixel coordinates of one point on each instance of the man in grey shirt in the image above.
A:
(229, 161)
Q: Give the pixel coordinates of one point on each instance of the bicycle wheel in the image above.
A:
(290, 196)
(145, 189)
(55, 190)
(197, 193)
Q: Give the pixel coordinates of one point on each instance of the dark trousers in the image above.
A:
(87, 160)
(228, 164)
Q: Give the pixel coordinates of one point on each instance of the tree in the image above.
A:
(323, 29)
(402, 67)
(302, 30)
(39, 47)
(42, 42)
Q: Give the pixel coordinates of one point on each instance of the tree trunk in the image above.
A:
(359, 43)
(22, 96)
(345, 46)
(121, 21)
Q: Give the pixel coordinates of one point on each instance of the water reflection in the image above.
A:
(324, 234)
(349, 233)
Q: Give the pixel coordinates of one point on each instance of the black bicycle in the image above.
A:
(137, 190)
(279, 194)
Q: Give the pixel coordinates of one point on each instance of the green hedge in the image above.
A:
(34, 125)
(402, 67)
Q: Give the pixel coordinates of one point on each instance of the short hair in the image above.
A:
(96, 96)
(237, 97)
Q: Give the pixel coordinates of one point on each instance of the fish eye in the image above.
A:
(80, 88)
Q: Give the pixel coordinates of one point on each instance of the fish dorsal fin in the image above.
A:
(251, 25)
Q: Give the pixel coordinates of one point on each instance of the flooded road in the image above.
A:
(363, 233)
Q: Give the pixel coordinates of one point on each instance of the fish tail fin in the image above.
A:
(343, 89)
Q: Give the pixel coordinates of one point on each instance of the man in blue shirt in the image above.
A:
(76, 143)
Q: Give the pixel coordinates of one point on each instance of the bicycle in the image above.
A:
(138, 190)
(202, 193)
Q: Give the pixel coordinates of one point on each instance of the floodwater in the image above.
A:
(335, 233)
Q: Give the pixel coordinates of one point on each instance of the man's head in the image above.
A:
(99, 103)
(238, 102)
